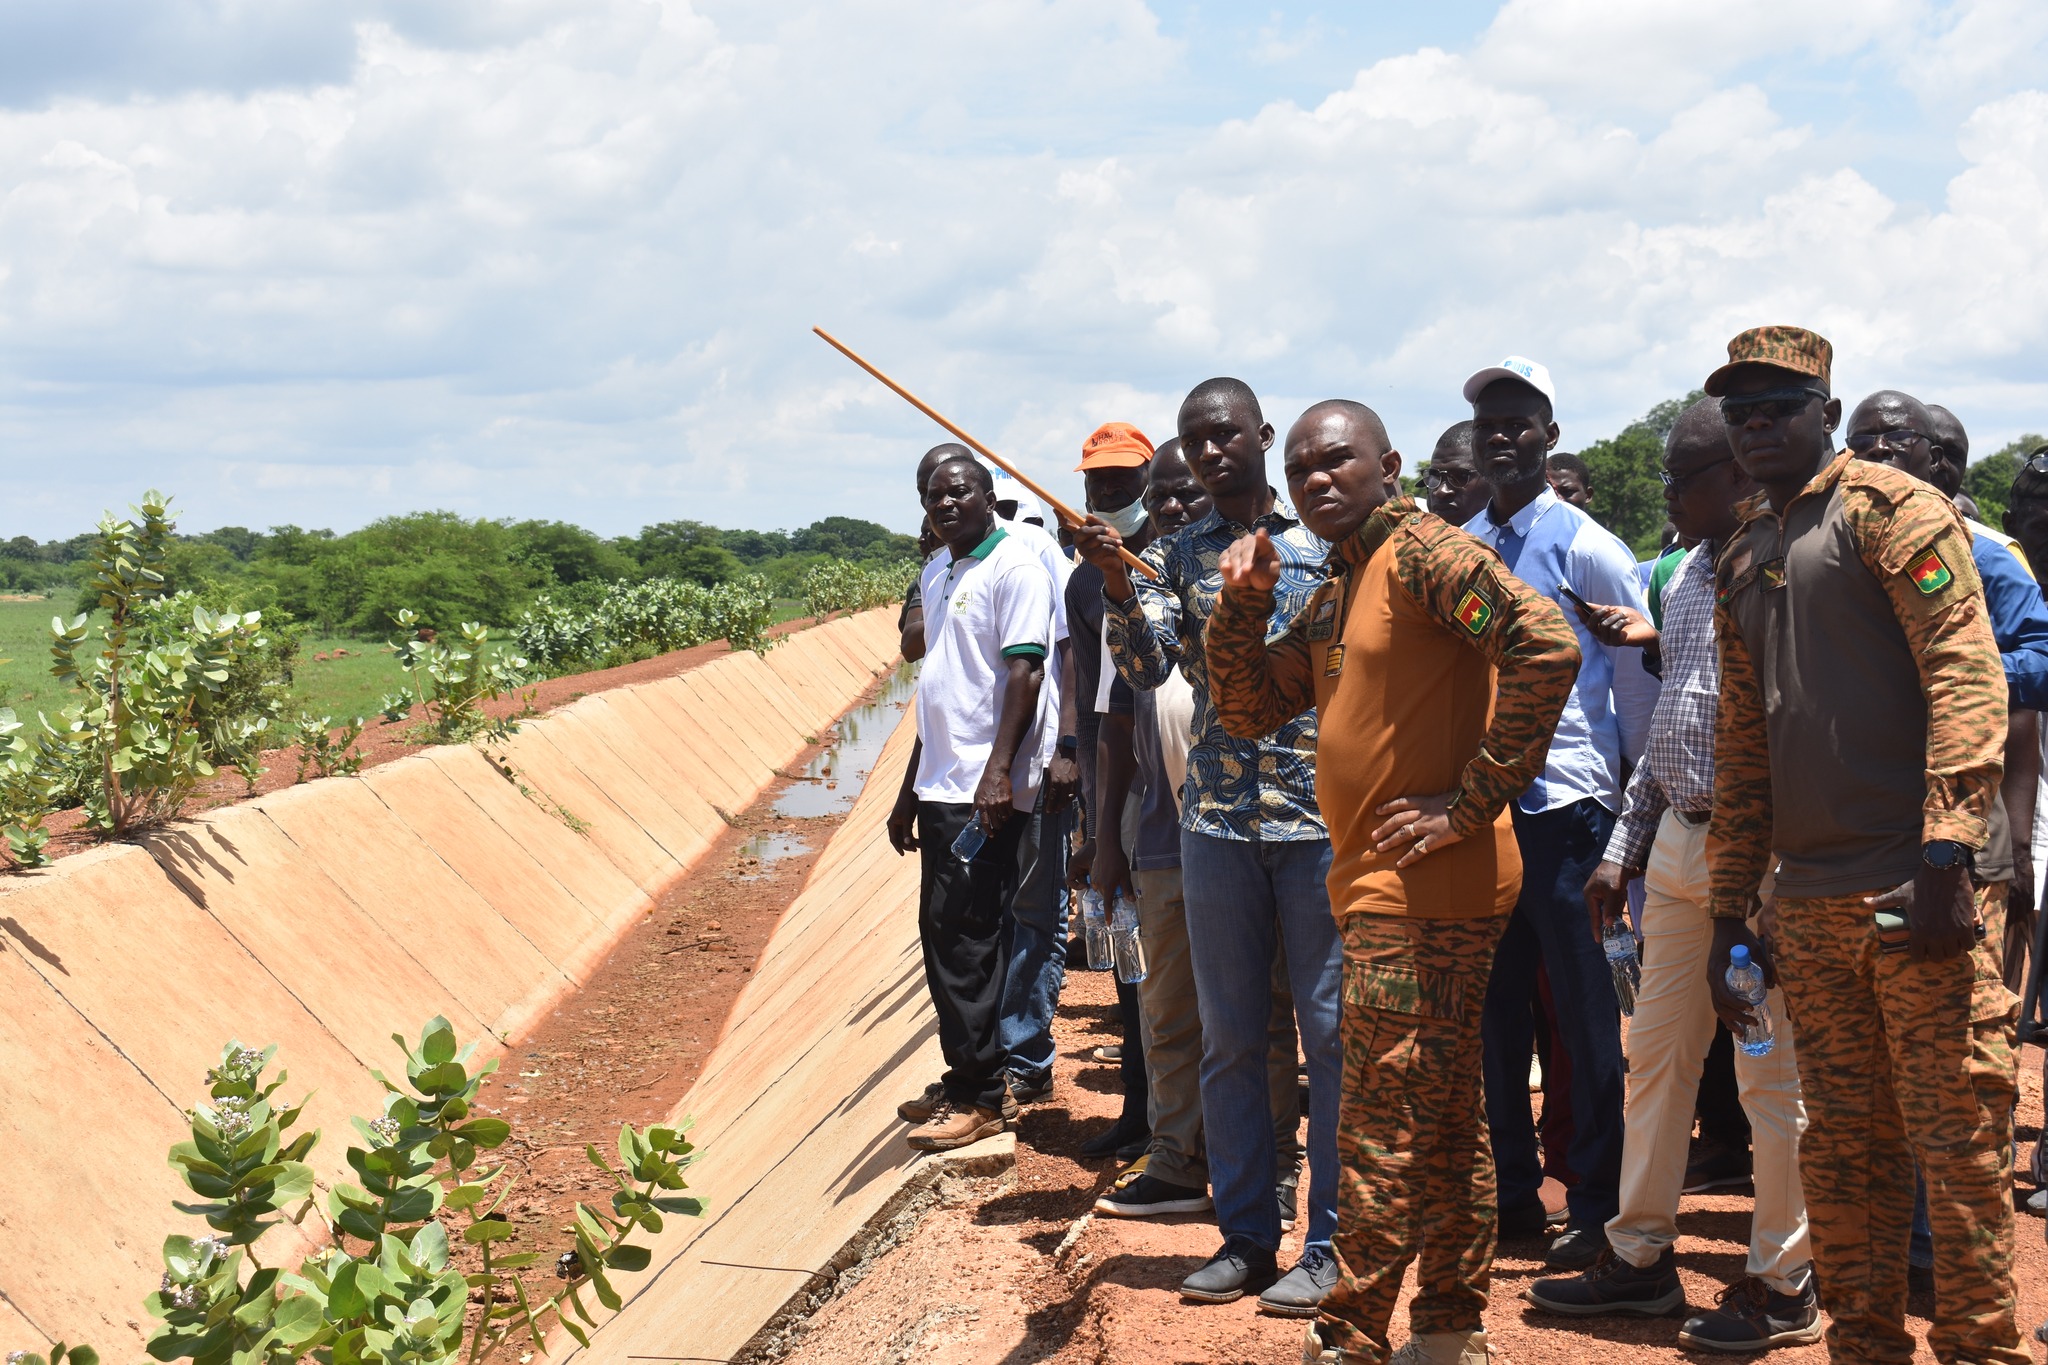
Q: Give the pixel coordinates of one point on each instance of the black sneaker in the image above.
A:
(1531, 1220)
(1115, 1138)
(1238, 1268)
(1150, 1197)
(1577, 1249)
(1754, 1317)
(1612, 1286)
(1716, 1165)
(1025, 1091)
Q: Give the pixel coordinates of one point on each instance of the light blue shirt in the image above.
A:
(1607, 717)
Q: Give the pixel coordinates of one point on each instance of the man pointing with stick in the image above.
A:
(1254, 854)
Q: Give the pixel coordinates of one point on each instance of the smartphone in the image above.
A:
(1565, 589)
(1894, 937)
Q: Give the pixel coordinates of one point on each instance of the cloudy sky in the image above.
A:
(316, 261)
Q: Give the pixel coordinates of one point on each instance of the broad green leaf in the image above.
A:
(625, 1257)
(488, 1230)
(485, 1133)
(437, 1041)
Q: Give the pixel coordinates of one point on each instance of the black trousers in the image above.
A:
(960, 915)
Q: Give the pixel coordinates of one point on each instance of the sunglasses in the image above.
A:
(1447, 480)
(1890, 440)
(1776, 405)
(1676, 483)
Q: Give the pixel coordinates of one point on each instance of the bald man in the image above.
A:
(1421, 749)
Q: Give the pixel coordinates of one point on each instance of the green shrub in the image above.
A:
(453, 681)
(628, 621)
(386, 1290)
(840, 586)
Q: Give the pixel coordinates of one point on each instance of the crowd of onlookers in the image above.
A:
(1391, 811)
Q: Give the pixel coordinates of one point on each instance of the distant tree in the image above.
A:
(851, 538)
(23, 548)
(1988, 481)
(568, 554)
(754, 546)
(659, 548)
(239, 541)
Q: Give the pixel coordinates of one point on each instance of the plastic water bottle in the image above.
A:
(1746, 983)
(970, 840)
(1619, 942)
(1129, 941)
(1095, 931)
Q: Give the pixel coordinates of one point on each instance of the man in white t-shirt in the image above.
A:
(986, 723)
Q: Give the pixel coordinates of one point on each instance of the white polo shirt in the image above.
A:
(980, 611)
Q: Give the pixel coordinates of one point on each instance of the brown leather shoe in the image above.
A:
(920, 1109)
(953, 1125)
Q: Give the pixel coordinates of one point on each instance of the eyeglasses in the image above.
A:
(1676, 483)
(1890, 440)
(1776, 405)
(1447, 480)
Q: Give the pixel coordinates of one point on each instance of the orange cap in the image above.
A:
(1115, 445)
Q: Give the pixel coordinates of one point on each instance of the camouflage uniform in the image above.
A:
(1417, 1168)
(1898, 1060)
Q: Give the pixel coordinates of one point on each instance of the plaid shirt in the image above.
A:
(1678, 761)
(1248, 789)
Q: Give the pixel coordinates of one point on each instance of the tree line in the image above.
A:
(449, 569)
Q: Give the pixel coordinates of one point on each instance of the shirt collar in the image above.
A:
(1280, 518)
(987, 546)
(1524, 521)
(1361, 545)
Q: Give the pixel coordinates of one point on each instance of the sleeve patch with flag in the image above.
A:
(1474, 612)
(1929, 574)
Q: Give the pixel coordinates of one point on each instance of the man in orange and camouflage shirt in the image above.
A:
(1859, 743)
(1417, 756)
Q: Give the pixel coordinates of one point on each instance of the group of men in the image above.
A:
(1378, 779)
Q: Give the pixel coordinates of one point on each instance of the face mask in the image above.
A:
(1126, 521)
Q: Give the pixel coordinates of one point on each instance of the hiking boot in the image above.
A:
(1301, 1290)
(1026, 1091)
(1577, 1249)
(1443, 1348)
(1715, 1165)
(1530, 1220)
(1612, 1286)
(1313, 1352)
(1150, 1197)
(1238, 1268)
(1752, 1316)
(920, 1109)
(955, 1125)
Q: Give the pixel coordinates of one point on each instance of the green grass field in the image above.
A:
(352, 685)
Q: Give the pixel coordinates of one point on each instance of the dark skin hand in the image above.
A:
(993, 797)
(1063, 774)
(1116, 766)
(1607, 896)
(1941, 912)
(1727, 933)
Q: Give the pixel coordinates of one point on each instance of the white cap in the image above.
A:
(1009, 490)
(1515, 367)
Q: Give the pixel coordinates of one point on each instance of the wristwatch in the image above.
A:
(1944, 854)
(1069, 744)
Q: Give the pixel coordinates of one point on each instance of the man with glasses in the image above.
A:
(1452, 481)
(1562, 823)
(1858, 746)
(1662, 837)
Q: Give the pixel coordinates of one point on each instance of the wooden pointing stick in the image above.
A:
(1060, 509)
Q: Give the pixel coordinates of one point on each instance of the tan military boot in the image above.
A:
(953, 1125)
(1443, 1348)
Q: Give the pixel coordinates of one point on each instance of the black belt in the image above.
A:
(1691, 818)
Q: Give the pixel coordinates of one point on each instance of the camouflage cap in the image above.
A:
(1785, 348)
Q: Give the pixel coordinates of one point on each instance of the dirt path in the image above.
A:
(1028, 1276)
(630, 1043)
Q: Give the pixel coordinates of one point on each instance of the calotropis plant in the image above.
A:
(386, 1289)
(453, 681)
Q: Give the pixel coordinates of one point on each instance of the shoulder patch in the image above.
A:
(1322, 621)
(1474, 613)
(1930, 574)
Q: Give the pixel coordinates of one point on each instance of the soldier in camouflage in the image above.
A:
(1859, 742)
(1419, 747)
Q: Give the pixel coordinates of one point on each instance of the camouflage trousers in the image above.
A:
(1415, 1168)
(1903, 1061)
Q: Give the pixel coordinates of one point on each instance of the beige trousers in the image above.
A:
(1667, 1043)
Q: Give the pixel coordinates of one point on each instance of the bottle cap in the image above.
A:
(1738, 956)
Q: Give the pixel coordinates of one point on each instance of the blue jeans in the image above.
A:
(1560, 848)
(1035, 931)
(1240, 898)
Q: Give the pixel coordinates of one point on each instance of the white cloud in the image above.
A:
(561, 259)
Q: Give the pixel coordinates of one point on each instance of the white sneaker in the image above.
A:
(1535, 1076)
(1443, 1348)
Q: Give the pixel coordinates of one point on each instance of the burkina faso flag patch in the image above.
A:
(1930, 574)
(1475, 613)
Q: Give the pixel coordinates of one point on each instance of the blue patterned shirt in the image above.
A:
(1236, 789)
